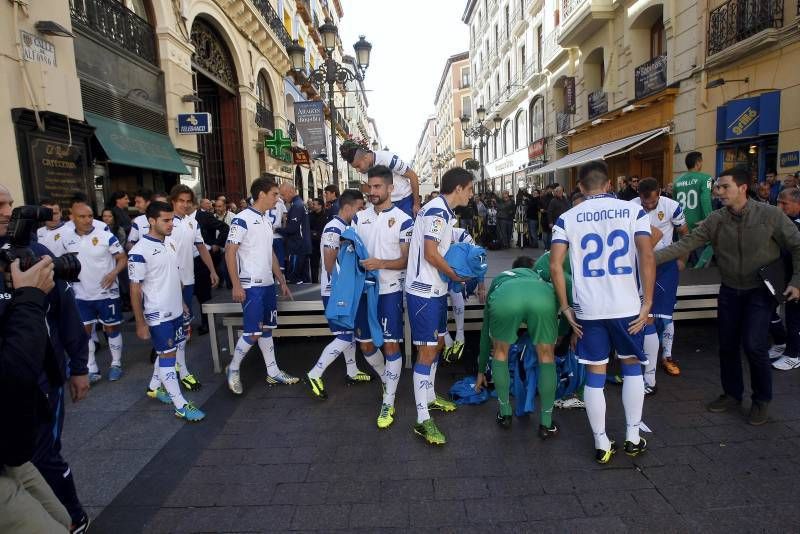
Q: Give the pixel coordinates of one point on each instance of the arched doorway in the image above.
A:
(310, 184)
(298, 180)
(222, 164)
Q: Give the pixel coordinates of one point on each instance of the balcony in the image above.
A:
(292, 130)
(264, 117)
(117, 24)
(519, 22)
(737, 20)
(551, 50)
(493, 57)
(273, 21)
(563, 122)
(582, 19)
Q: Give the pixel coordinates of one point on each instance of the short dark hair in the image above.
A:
(156, 208)
(262, 185)
(381, 171)
(740, 174)
(525, 262)
(318, 201)
(146, 194)
(593, 175)
(577, 195)
(692, 158)
(348, 152)
(350, 197)
(332, 188)
(47, 201)
(648, 185)
(116, 195)
(178, 190)
(457, 176)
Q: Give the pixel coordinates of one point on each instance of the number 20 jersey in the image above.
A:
(600, 234)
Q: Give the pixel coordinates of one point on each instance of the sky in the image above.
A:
(411, 41)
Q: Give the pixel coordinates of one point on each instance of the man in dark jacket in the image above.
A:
(297, 234)
(331, 196)
(505, 218)
(318, 220)
(215, 233)
(631, 189)
(557, 206)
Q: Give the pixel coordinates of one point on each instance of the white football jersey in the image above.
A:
(276, 216)
(96, 251)
(402, 185)
(462, 236)
(667, 216)
(600, 234)
(139, 227)
(252, 231)
(434, 222)
(52, 238)
(330, 239)
(154, 264)
(186, 236)
(383, 233)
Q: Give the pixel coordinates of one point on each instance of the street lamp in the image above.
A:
(482, 134)
(331, 72)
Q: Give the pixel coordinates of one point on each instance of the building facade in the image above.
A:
(424, 162)
(453, 100)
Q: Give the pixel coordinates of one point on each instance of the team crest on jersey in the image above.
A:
(57, 237)
(391, 222)
(437, 226)
(170, 343)
(95, 241)
(660, 215)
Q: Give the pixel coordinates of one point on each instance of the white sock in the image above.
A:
(350, 359)
(632, 401)
(169, 379)
(432, 389)
(115, 345)
(329, 354)
(595, 400)
(422, 384)
(391, 377)
(180, 360)
(92, 363)
(458, 313)
(448, 340)
(243, 346)
(651, 350)
(666, 340)
(377, 362)
(267, 346)
(155, 380)
(94, 335)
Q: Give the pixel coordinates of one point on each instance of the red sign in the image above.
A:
(300, 156)
(536, 150)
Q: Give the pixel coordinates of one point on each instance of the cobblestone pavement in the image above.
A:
(275, 460)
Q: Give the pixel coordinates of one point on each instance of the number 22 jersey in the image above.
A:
(600, 234)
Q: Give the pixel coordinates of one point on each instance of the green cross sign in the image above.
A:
(278, 144)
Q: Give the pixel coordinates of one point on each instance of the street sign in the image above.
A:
(300, 156)
(38, 50)
(278, 145)
(790, 159)
(194, 123)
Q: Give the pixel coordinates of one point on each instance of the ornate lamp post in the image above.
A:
(331, 72)
(480, 132)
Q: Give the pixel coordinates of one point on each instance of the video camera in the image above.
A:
(24, 221)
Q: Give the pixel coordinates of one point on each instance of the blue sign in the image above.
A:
(749, 117)
(790, 159)
(194, 123)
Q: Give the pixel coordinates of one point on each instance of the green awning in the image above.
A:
(130, 145)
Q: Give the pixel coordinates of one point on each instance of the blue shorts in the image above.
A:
(260, 309)
(335, 330)
(428, 316)
(390, 315)
(279, 249)
(407, 205)
(167, 335)
(106, 311)
(665, 294)
(187, 292)
(601, 335)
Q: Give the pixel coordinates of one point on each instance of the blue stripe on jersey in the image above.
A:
(560, 223)
(393, 162)
(438, 212)
(134, 225)
(332, 230)
(408, 223)
(420, 285)
(641, 214)
(431, 238)
(112, 240)
(355, 219)
(239, 222)
(137, 258)
(642, 232)
(559, 241)
(678, 211)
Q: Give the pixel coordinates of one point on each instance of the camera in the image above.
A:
(24, 221)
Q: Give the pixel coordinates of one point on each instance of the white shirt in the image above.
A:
(96, 251)
(252, 231)
(330, 239)
(154, 265)
(276, 215)
(51, 238)
(139, 227)
(460, 235)
(600, 233)
(383, 233)
(666, 216)
(402, 185)
(186, 236)
(434, 222)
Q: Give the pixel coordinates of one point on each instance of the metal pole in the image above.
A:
(483, 171)
(332, 108)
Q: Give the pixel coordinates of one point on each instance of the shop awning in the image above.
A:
(130, 145)
(604, 151)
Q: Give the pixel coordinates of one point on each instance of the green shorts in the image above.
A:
(531, 302)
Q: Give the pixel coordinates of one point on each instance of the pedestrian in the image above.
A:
(118, 202)
(215, 234)
(297, 235)
(544, 223)
(746, 236)
(331, 196)
(693, 190)
(50, 233)
(532, 216)
(107, 216)
(555, 208)
(789, 358)
(775, 186)
(242, 205)
(317, 220)
(505, 219)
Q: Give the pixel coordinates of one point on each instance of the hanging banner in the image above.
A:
(309, 117)
(569, 95)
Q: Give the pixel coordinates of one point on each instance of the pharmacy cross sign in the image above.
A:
(278, 144)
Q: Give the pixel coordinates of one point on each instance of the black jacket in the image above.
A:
(317, 223)
(214, 231)
(556, 208)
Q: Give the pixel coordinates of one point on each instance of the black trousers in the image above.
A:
(315, 262)
(202, 285)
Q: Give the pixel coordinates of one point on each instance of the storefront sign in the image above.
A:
(598, 103)
(37, 50)
(309, 117)
(278, 145)
(749, 117)
(194, 123)
(790, 159)
(300, 156)
(569, 95)
(536, 150)
(651, 77)
(58, 169)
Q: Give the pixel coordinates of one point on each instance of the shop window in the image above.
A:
(507, 137)
(519, 130)
(536, 119)
(658, 40)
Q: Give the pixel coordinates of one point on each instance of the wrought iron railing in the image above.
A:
(292, 130)
(563, 121)
(568, 7)
(550, 46)
(264, 117)
(113, 21)
(273, 20)
(736, 20)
